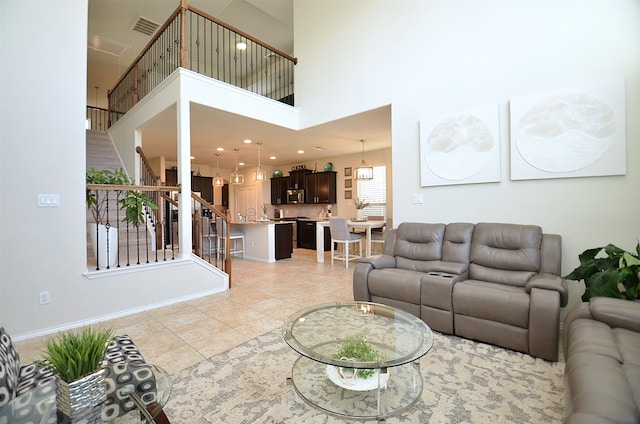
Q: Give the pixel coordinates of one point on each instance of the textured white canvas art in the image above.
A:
(577, 132)
(460, 148)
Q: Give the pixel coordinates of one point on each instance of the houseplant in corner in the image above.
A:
(76, 359)
(104, 236)
(615, 275)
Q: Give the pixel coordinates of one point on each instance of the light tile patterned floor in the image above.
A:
(261, 298)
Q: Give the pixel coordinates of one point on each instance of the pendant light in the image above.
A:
(259, 175)
(364, 172)
(236, 177)
(218, 180)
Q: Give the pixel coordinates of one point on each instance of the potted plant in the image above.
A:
(360, 205)
(133, 203)
(76, 359)
(356, 348)
(615, 275)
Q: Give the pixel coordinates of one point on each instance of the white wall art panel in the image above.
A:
(460, 148)
(577, 132)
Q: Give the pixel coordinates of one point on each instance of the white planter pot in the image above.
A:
(104, 242)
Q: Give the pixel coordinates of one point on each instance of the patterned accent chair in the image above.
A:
(28, 392)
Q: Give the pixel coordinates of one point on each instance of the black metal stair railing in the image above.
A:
(193, 40)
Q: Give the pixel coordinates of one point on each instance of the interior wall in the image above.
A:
(442, 56)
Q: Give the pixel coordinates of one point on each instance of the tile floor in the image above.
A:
(261, 298)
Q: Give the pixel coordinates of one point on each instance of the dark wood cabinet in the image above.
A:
(298, 179)
(284, 241)
(307, 236)
(321, 187)
(203, 185)
(225, 195)
(279, 187)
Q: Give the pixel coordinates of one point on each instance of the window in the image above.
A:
(374, 192)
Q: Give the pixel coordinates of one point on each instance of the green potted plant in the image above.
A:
(76, 359)
(132, 202)
(617, 274)
(356, 348)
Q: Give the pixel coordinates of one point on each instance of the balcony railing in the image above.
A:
(193, 40)
(97, 118)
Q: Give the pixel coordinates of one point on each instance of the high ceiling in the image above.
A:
(111, 24)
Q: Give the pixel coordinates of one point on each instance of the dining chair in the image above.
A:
(378, 235)
(209, 237)
(339, 230)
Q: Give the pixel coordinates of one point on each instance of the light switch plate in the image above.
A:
(418, 198)
(48, 200)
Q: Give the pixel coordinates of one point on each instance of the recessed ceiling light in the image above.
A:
(247, 141)
(241, 163)
(272, 157)
(220, 149)
(193, 157)
(319, 148)
(300, 151)
(241, 45)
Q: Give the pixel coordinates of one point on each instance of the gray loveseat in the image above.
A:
(602, 356)
(496, 283)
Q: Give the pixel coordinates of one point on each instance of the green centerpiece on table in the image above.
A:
(357, 349)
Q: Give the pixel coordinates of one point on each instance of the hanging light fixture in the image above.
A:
(259, 175)
(218, 180)
(236, 177)
(364, 171)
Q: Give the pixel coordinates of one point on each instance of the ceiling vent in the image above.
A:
(145, 26)
(105, 45)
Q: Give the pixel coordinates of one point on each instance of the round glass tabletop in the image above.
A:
(320, 331)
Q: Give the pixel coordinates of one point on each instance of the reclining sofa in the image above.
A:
(602, 362)
(492, 282)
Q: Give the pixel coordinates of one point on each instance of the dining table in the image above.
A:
(355, 224)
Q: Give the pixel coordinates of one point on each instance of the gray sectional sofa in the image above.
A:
(492, 282)
(602, 362)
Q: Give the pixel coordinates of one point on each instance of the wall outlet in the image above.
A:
(44, 297)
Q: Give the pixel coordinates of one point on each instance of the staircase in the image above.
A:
(101, 154)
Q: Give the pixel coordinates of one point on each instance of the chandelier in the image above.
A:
(364, 172)
(259, 175)
(218, 180)
(236, 177)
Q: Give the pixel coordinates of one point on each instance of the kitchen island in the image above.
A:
(266, 241)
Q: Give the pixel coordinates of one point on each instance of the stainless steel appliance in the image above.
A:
(295, 196)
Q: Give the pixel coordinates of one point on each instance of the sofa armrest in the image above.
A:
(379, 261)
(616, 313)
(549, 282)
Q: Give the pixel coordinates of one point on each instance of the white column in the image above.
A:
(184, 176)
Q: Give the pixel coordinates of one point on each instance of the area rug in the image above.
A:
(464, 382)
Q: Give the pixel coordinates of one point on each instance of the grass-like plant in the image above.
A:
(357, 348)
(76, 354)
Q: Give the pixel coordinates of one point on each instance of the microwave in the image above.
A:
(295, 196)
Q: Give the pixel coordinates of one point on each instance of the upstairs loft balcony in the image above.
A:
(193, 40)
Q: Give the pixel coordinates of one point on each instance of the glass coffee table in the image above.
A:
(391, 383)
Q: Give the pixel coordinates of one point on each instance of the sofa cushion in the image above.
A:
(456, 246)
(505, 253)
(492, 302)
(393, 283)
(602, 372)
(417, 242)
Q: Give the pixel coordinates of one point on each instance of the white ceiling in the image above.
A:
(267, 20)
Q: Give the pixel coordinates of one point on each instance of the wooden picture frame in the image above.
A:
(348, 183)
(347, 194)
(347, 172)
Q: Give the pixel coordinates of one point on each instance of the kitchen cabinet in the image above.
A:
(298, 179)
(284, 241)
(202, 185)
(321, 187)
(307, 236)
(279, 187)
